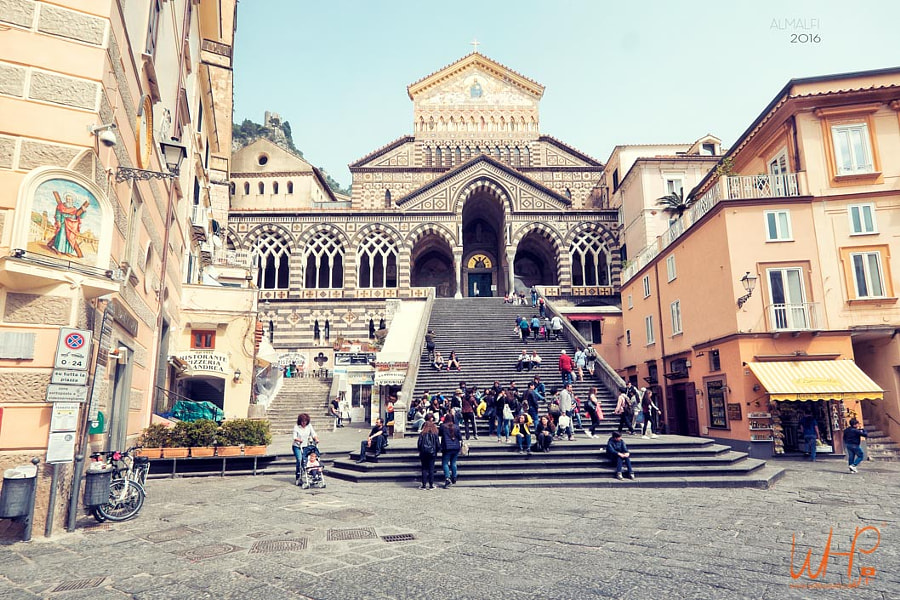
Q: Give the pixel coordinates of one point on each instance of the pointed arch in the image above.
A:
(482, 184)
(594, 255)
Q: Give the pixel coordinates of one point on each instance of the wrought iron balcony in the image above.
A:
(794, 317)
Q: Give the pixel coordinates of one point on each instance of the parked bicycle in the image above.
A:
(127, 488)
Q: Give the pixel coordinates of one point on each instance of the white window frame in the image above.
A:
(861, 210)
(675, 309)
(630, 301)
(671, 271)
(780, 234)
(651, 335)
(858, 164)
(627, 337)
(673, 179)
(868, 274)
(646, 282)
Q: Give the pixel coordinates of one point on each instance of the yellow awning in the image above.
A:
(804, 380)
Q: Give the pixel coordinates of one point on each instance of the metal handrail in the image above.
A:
(169, 395)
(608, 377)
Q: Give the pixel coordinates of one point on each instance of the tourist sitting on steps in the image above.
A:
(544, 432)
(438, 363)
(522, 432)
(618, 452)
(453, 362)
(524, 361)
(535, 360)
(375, 442)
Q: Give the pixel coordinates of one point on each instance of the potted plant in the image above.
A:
(254, 434)
(200, 436)
(228, 439)
(152, 440)
(175, 444)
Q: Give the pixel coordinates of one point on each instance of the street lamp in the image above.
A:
(268, 306)
(173, 153)
(749, 283)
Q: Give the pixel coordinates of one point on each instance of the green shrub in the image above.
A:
(250, 432)
(155, 436)
(199, 433)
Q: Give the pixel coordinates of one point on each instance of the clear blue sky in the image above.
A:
(615, 73)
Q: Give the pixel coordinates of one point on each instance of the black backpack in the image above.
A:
(426, 443)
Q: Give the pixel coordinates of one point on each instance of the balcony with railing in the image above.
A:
(738, 187)
(803, 316)
(232, 258)
(200, 221)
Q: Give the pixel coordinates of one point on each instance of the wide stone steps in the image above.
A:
(881, 447)
(298, 395)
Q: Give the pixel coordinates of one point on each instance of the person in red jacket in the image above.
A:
(565, 367)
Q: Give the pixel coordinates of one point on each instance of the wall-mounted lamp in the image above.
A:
(749, 283)
(701, 353)
(18, 253)
(756, 387)
(237, 375)
(104, 134)
(173, 153)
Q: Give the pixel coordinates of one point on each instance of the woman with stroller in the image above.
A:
(305, 440)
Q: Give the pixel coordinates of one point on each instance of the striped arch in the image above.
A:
(483, 184)
(372, 234)
(387, 230)
(608, 238)
(405, 269)
(304, 238)
(267, 229)
(347, 256)
(232, 237)
(555, 240)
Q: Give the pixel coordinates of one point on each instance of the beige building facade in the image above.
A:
(773, 295)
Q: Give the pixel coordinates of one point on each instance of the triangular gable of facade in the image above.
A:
(389, 155)
(476, 60)
(443, 193)
(567, 155)
(278, 160)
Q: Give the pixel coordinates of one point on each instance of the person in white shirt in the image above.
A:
(557, 326)
(524, 361)
(305, 440)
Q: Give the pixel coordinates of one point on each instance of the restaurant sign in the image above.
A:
(205, 362)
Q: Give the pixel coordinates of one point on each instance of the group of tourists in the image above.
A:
(439, 364)
(638, 409)
(538, 327)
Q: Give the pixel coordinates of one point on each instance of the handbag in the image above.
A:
(464, 449)
(564, 421)
(507, 412)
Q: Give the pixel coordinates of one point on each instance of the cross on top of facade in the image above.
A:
(475, 43)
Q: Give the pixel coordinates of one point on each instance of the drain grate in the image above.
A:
(400, 537)
(168, 535)
(266, 546)
(78, 584)
(343, 535)
(97, 527)
(209, 551)
(264, 488)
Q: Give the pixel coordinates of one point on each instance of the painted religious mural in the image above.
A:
(66, 221)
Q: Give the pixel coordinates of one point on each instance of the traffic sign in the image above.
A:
(66, 393)
(73, 350)
(67, 377)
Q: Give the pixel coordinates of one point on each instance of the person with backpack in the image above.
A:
(451, 443)
(626, 416)
(468, 414)
(541, 307)
(534, 296)
(524, 327)
(590, 354)
(535, 327)
(595, 412)
(428, 444)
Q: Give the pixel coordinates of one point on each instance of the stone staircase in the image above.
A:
(298, 395)
(881, 447)
(480, 330)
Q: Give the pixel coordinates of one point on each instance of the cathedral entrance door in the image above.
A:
(480, 285)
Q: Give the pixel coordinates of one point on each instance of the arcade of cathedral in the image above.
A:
(477, 202)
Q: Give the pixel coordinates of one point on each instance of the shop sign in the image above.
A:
(390, 377)
(73, 349)
(205, 362)
(364, 378)
(392, 366)
(292, 357)
(66, 393)
(734, 412)
(67, 377)
(123, 317)
(353, 358)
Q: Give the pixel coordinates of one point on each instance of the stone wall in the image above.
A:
(37, 308)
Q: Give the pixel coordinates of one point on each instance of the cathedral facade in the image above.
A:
(476, 202)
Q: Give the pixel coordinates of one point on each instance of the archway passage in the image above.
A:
(483, 234)
(432, 266)
(536, 261)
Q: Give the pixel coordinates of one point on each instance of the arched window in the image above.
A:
(387, 198)
(502, 123)
(516, 157)
(437, 157)
(273, 257)
(323, 262)
(526, 157)
(377, 257)
(232, 188)
(512, 123)
(246, 188)
(468, 152)
(495, 152)
(262, 188)
(290, 187)
(274, 187)
(428, 156)
(590, 260)
(457, 155)
(568, 193)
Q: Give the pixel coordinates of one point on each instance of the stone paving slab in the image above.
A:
(194, 539)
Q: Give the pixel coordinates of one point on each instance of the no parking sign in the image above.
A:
(73, 350)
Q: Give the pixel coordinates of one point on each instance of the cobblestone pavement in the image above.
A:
(261, 537)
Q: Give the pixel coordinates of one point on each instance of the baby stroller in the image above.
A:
(312, 474)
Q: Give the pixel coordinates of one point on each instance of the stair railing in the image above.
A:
(165, 399)
(603, 371)
(412, 370)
